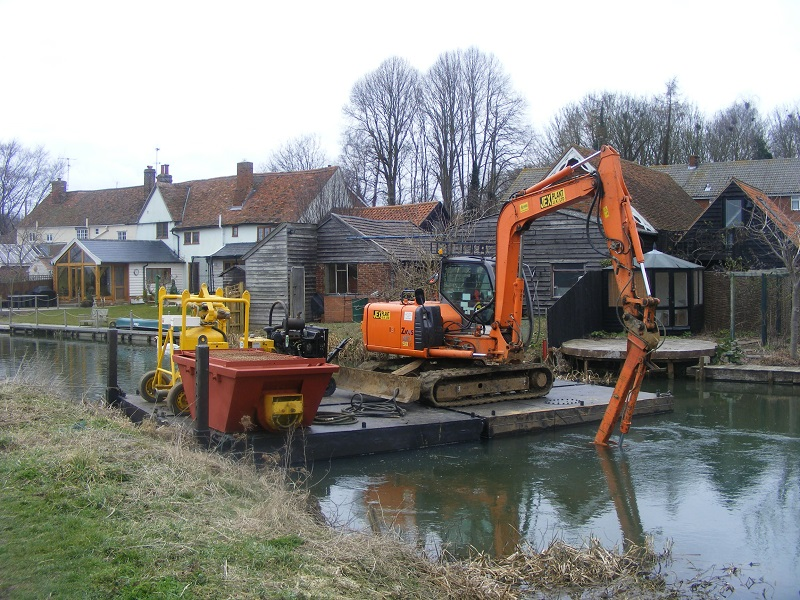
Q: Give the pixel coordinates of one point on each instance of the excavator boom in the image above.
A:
(479, 318)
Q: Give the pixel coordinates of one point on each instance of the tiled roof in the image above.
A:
(128, 251)
(275, 198)
(415, 213)
(119, 206)
(768, 207)
(655, 195)
(775, 177)
(401, 240)
(234, 250)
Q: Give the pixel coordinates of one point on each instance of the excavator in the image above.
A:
(468, 348)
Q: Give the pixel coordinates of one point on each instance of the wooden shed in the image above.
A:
(282, 268)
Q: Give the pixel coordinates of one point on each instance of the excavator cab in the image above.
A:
(467, 284)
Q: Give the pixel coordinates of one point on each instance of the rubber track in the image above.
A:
(430, 378)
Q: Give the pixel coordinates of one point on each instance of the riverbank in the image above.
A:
(92, 506)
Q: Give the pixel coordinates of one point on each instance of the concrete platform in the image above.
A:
(421, 426)
(749, 373)
(672, 351)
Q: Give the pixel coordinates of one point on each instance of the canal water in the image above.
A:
(717, 480)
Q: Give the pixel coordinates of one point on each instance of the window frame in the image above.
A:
(122, 235)
(82, 233)
(562, 268)
(794, 203)
(341, 275)
(162, 230)
(191, 238)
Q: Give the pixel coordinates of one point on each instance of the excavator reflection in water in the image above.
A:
(496, 511)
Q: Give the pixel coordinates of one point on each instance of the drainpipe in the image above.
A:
(178, 252)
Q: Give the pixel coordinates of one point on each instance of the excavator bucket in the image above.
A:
(379, 384)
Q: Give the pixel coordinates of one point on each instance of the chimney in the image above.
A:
(693, 162)
(164, 176)
(244, 181)
(58, 191)
(149, 180)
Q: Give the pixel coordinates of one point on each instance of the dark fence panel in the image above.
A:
(578, 312)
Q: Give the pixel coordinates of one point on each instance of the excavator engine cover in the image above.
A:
(407, 329)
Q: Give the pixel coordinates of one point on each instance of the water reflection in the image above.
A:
(719, 478)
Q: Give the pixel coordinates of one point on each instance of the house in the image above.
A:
(63, 216)
(559, 248)
(110, 271)
(359, 258)
(721, 232)
(209, 224)
(778, 178)
(204, 216)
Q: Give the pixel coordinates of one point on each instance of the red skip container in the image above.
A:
(240, 379)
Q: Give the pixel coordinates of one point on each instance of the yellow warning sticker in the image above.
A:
(552, 199)
(384, 315)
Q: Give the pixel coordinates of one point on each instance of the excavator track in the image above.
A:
(485, 385)
(451, 387)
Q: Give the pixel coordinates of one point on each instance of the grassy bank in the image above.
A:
(92, 506)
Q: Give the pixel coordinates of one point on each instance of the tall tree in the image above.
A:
(784, 132)
(737, 133)
(443, 99)
(25, 176)
(382, 107)
(496, 135)
(302, 153)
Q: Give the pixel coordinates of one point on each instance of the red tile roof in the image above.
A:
(414, 213)
(275, 198)
(771, 209)
(117, 206)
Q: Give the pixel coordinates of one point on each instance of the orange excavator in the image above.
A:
(467, 348)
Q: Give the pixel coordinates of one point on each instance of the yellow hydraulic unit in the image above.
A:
(283, 411)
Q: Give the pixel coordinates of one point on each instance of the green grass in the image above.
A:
(92, 506)
(72, 315)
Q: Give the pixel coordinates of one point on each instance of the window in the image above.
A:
(263, 231)
(31, 236)
(733, 212)
(97, 231)
(191, 237)
(565, 275)
(341, 278)
(235, 231)
(49, 237)
(82, 233)
(122, 235)
(795, 202)
(157, 278)
(162, 230)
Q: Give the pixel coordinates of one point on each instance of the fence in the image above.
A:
(24, 286)
(761, 302)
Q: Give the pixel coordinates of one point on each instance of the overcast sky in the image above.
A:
(210, 84)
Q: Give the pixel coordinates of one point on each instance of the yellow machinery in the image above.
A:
(210, 316)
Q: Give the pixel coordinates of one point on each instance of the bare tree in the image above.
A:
(302, 153)
(382, 108)
(784, 132)
(780, 236)
(496, 136)
(443, 104)
(361, 173)
(25, 176)
(737, 133)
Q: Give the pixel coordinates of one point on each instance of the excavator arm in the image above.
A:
(612, 201)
